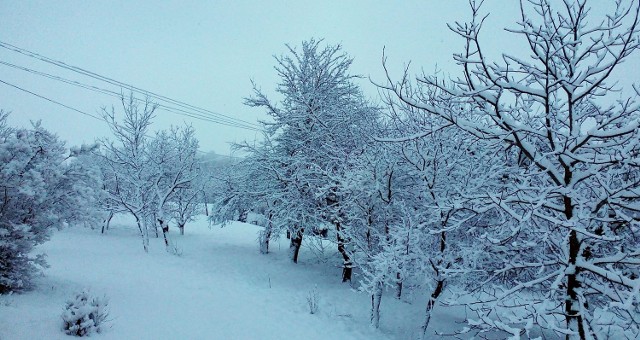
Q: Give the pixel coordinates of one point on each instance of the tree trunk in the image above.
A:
(398, 285)
(181, 227)
(165, 229)
(430, 305)
(573, 316)
(107, 221)
(376, 298)
(296, 243)
(439, 283)
(347, 265)
(155, 226)
(144, 233)
(265, 236)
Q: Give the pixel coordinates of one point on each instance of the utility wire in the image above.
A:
(211, 114)
(50, 100)
(66, 106)
(164, 107)
(121, 84)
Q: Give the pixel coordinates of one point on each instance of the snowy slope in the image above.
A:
(220, 288)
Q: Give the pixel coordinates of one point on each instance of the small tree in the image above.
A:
(174, 173)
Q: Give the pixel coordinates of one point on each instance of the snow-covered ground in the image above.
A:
(220, 288)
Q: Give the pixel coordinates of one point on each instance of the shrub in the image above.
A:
(313, 300)
(85, 314)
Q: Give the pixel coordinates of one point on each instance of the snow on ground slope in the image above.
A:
(220, 288)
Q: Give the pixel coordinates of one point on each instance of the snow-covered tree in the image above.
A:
(406, 197)
(369, 192)
(563, 253)
(262, 191)
(43, 186)
(155, 179)
(313, 133)
(132, 188)
(447, 171)
(254, 184)
(174, 172)
(107, 204)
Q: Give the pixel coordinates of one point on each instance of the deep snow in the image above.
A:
(220, 288)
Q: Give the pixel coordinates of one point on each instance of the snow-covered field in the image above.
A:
(220, 288)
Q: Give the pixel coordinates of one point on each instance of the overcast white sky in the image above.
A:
(206, 52)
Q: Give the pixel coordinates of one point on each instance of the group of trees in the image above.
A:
(293, 177)
(156, 179)
(515, 185)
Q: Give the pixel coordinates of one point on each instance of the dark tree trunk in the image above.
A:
(106, 222)
(165, 229)
(181, 227)
(431, 304)
(572, 311)
(573, 317)
(155, 227)
(296, 243)
(398, 285)
(347, 265)
(440, 283)
(142, 234)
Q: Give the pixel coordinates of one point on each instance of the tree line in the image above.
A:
(513, 185)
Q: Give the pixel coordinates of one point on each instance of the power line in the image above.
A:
(208, 113)
(50, 100)
(66, 106)
(164, 107)
(121, 84)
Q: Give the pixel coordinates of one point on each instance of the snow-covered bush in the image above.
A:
(85, 314)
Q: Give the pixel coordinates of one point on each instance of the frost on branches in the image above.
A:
(564, 253)
(42, 187)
